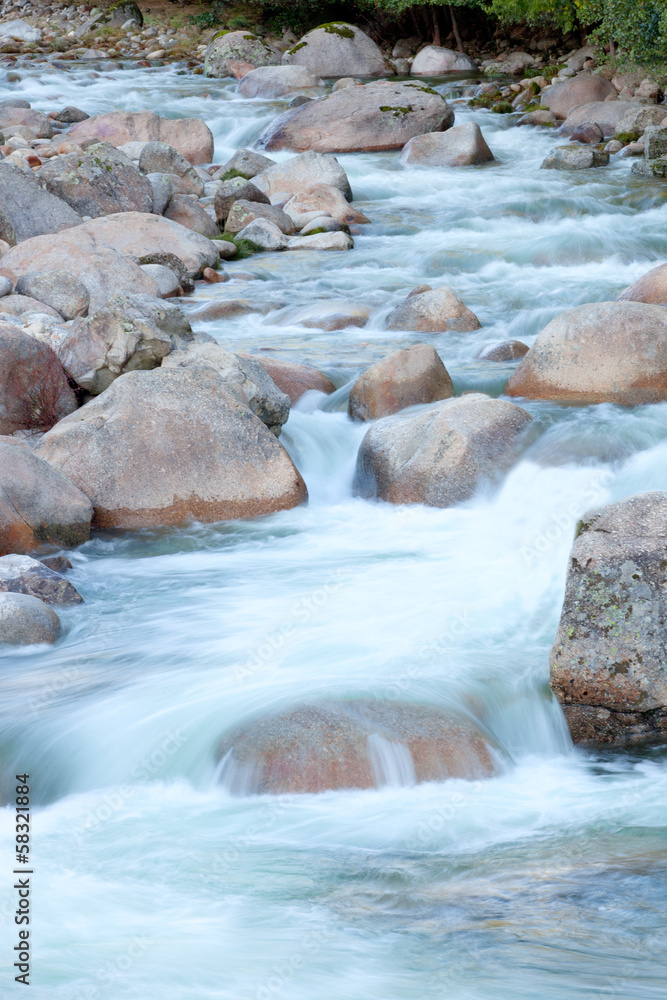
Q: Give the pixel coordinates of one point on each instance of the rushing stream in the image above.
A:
(548, 881)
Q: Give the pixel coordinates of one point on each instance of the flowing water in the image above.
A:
(548, 881)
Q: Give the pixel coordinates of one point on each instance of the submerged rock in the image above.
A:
(432, 310)
(504, 350)
(162, 447)
(38, 505)
(26, 621)
(438, 457)
(608, 657)
(335, 50)
(34, 393)
(352, 744)
(406, 378)
(19, 574)
(575, 158)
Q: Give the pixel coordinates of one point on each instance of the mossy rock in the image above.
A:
(237, 46)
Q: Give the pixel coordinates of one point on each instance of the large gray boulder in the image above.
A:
(460, 146)
(229, 50)
(608, 660)
(245, 377)
(34, 393)
(269, 82)
(26, 621)
(405, 378)
(99, 181)
(439, 456)
(166, 446)
(299, 172)
(601, 352)
(19, 574)
(373, 118)
(190, 136)
(607, 115)
(27, 209)
(338, 744)
(129, 333)
(38, 505)
(433, 60)
(587, 88)
(575, 158)
(335, 50)
(432, 310)
(60, 290)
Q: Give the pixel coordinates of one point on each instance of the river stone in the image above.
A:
(166, 279)
(514, 64)
(608, 658)
(406, 378)
(235, 189)
(322, 241)
(245, 377)
(60, 290)
(587, 134)
(606, 114)
(27, 209)
(300, 172)
(162, 189)
(71, 115)
(172, 263)
(538, 117)
(324, 198)
(332, 745)
(246, 163)
(329, 315)
(34, 393)
(270, 82)
(294, 379)
(130, 332)
(601, 352)
(369, 119)
(190, 136)
(433, 60)
(187, 211)
(230, 47)
(20, 30)
(322, 224)
(162, 447)
(504, 350)
(650, 288)
(337, 49)
(101, 269)
(34, 120)
(460, 146)
(98, 182)
(38, 505)
(161, 158)
(26, 621)
(588, 88)
(432, 310)
(19, 574)
(18, 305)
(265, 235)
(640, 117)
(439, 456)
(6, 287)
(575, 158)
(242, 213)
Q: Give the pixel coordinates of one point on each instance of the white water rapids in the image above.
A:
(153, 883)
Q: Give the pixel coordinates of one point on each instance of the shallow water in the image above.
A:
(546, 881)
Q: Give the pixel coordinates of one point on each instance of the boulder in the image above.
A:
(60, 290)
(161, 447)
(244, 212)
(607, 115)
(17, 305)
(504, 350)
(26, 621)
(340, 744)
(166, 279)
(97, 182)
(34, 393)
(514, 64)
(37, 122)
(433, 60)
(238, 47)
(650, 288)
(235, 189)
(162, 189)
(373, 118)
(294, 379)
(322, 241)
(129, 333)
(439, 456)
(608, 658)
(562, 98)
(20, 574)
(329, 315)
(406, 378)
(300, 172)
(575, 158)
(432, 310)
(655, 141)
(38, 505)
(244, 163)
(27, 209)
(70, 115)
(20, 31)
(324, 198)
(640, 117)
(186, 210)
(601, 352)
(538, 117)
(190, 136)
(269, 82)
(245, 377)
(101, 269)
(460, 146)
(161, 158)
(264, 235)
(337, 49)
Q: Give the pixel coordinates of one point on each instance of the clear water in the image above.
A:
(546, 882)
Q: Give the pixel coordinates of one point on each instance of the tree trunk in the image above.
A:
(436, 25)
(455, 29)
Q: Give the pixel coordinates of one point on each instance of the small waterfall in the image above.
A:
(392, 763)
